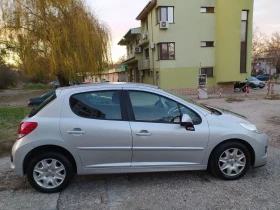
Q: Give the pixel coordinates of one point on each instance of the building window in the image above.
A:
(207, 44)
(166, 51)
(208, 71)
(165, 14)
(147, 53)
(207, 9)
(147, 25)
(244, 32)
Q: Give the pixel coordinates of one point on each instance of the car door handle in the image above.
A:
(143, 133)
(76, 132)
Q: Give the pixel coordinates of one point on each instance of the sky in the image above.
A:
(121, 15)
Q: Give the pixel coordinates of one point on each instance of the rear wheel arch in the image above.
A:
(48, 148)
(248, 146)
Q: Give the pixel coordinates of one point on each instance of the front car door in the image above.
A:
(94, 123)
(158, 138)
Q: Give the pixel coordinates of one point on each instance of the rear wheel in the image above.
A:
(50, 172)
(230, 161)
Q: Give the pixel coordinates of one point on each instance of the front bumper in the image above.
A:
(260, 147)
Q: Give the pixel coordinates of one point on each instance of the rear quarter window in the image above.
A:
(37, 109)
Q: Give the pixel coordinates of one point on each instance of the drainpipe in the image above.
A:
(153, 64)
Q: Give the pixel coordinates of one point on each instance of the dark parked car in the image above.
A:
(39, 100)
(255, 83)
(263, 77)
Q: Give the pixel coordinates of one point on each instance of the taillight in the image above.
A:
(25, 128)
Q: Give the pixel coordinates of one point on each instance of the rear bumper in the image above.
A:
(19, 152)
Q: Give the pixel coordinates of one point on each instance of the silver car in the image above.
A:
(127, 128)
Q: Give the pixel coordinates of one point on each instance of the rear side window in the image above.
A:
(97, 105)
(37, 109)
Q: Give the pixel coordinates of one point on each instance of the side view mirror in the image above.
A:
(187, 122)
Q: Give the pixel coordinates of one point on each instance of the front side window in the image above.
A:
(153, 108)
(97, 105)
(150, 107)
(193, 115)
(166, 51)
(165, 14)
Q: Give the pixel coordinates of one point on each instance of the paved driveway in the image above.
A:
(259, 189)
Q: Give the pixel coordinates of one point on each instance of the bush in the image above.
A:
(8, 77)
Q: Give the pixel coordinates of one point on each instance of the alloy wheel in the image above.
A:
(232, 162)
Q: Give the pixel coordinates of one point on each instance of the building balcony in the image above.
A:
(143, 39)
(144, 64)
(130, 58)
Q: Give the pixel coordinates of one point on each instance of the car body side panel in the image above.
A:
(105, 143)
(41, 137)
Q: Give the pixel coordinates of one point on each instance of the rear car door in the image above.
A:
(158, 137)
(95, 124)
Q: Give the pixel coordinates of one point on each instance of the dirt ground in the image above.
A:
(264, 113)
(11, 98)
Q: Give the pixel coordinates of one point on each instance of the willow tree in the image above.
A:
(55, 37)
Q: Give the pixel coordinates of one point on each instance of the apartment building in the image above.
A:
(180, 39)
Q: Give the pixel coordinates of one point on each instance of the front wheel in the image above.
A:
(230, 161)
(50, 172)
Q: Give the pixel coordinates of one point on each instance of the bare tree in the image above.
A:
(258, 45)
(273, 50)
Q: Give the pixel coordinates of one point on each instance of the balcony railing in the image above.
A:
(144, 64)
(143, 38)
(129, 55)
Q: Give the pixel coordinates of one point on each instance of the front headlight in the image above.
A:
(250, 127)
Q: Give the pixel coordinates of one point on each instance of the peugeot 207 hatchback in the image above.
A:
(123, 128)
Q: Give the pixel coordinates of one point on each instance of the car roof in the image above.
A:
(106, 85)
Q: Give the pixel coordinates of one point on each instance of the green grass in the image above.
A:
(37, 87)
(9, 122)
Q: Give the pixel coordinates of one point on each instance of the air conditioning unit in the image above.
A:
(164, 25)
(137, 49)
(152, 45)
(144, 36)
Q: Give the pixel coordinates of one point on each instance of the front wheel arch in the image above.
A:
(248, 146)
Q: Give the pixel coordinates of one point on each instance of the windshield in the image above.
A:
(185, 98)
(253, 79)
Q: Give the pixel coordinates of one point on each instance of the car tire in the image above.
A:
(225, 165)
(53, 172)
